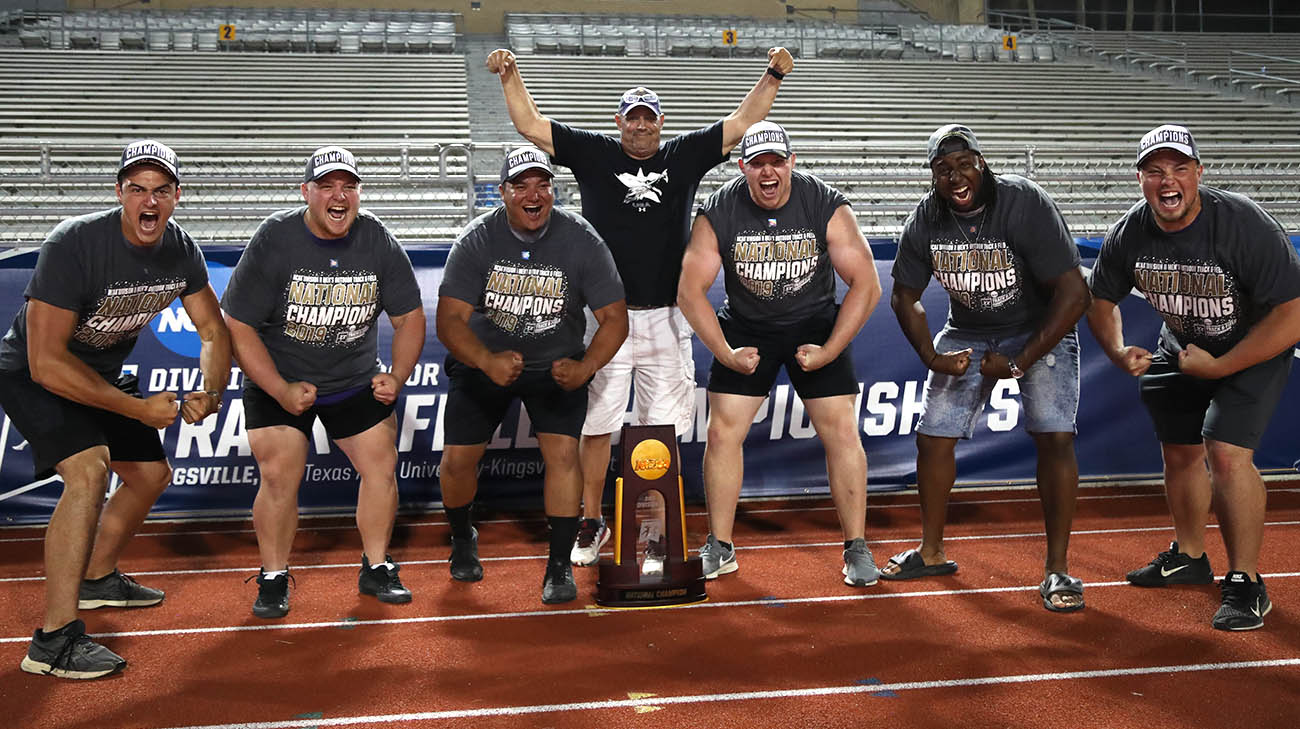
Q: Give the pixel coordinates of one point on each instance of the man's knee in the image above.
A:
(1226, 459)
(87, 470)
(1055, 446)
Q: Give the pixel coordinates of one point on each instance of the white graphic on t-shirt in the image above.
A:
(124, 310)
(641, 188)
(523, 299)
(334, 309)
(775, 265)
(981, 275)
(1197, 299)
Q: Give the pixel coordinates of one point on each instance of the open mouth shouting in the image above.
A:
(148, 221)
(1170, 200)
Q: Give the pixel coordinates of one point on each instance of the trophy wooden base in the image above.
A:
(621, 585)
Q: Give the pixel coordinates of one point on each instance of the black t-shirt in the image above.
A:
(641, 208)
(315, 301)
(86, 265)
(776, 264)
(1211, 281)
(994, 264)
(528, 296)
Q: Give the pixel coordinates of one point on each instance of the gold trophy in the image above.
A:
(648, 464)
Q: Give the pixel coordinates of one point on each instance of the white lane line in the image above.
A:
(741, 515)
(1022, 678)
(607, 553)
(589, 610)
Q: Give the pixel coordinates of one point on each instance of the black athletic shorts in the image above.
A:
(57, 428)
(345, 417)
(476, 405)
(778, 349)
(1235, 409)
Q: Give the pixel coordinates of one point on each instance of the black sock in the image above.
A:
(458, 517)
(725, 545)
(848, 543)
(564, 529)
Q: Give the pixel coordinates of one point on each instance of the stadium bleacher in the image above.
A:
(242, 120)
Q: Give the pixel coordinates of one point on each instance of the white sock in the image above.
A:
(274, 574)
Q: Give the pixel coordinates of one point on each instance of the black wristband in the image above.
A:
(775, 73)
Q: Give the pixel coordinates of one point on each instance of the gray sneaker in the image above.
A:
(70, 653)
(859, 566)
(718, 560)
(116, 590)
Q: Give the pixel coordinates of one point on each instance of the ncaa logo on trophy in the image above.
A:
(648, 465)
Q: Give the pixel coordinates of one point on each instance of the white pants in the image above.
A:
(657, 354)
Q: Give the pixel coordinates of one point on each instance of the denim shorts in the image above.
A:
(1049, 391)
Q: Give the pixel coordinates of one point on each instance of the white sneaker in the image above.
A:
(592, 535)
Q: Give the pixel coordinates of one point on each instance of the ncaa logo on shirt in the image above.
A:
(173, 327)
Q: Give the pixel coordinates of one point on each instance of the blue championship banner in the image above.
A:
(214, 471)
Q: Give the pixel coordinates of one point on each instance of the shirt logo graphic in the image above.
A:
(641, 188)
(334, 263)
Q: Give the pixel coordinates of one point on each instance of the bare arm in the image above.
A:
(1278, 331)
(524, 114)
(408, 342)
(906, 303)
(611, 330)
(1108, 329)
(49, 328)
(214, 354)
(255, 361)
(758, 102)
(452, 321)
(1070, 300)
(700, 267)
(851, 257)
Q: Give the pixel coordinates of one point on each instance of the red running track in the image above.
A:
(781, 643)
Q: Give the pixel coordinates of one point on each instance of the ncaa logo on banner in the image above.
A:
(173, 327)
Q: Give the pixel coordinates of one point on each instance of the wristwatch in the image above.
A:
(1016, 372)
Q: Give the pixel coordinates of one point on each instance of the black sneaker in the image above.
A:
(1244, 603)
(558, 585)
(116, 590)
(69, 653)
(465, 566)
(382, 582)
(1173, 568)
(272, 595)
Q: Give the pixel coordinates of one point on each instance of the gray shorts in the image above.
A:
(1049, 391)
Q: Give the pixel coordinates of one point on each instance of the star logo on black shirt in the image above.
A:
(641, 187)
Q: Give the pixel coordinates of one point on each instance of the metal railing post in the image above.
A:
(45, 161)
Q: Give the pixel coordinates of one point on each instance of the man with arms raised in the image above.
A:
(638, 192)
(303, 307)
(780, 237)
(99, 279)
(1224, 277)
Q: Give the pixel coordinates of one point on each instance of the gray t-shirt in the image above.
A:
(1211, 281)
(86, 265)
(776, 265)
(315, 301)
(994, 265)
(528, 296)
